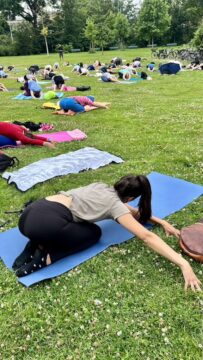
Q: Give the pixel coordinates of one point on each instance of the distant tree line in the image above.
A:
(87, 24)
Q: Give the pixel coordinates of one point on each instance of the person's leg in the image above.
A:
(53, 234)
(101, 105)
(41, 223)
(27, 254)
(50, 225)
(74, 237)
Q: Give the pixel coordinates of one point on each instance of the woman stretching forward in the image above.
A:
(63, 224)
(77, 104)
(22, 134)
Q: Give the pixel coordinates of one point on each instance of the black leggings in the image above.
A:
(50, 225)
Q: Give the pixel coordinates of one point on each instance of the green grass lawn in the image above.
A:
(127, 303)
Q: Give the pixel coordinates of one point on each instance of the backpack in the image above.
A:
(7, 161)
(191, 241)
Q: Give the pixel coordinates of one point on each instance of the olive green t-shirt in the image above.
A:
(94, 202)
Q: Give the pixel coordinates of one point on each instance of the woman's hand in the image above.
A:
(191, 279)
(50, 145)
(170, 230)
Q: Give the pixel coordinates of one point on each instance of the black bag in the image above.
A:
(83, 88)
(29, 125)
(7, 161)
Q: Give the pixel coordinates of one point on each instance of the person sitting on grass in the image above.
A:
(78, 104)
(63, 224)
(2, 87)
(22, 134)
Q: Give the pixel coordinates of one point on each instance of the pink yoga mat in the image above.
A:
(66, 136)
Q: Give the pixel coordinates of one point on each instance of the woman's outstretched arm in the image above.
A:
(168, 228)
(158, 245)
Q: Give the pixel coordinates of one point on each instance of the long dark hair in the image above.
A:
(135, 186)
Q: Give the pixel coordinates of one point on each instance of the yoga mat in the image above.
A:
(126, 82)
(131, 81)
(23, 97)
(169, 195)
(66, 136)
(70, 163)
(44, 82)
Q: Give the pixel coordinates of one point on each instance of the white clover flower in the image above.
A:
(97, 302)
(166, 340)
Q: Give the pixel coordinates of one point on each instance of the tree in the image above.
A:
(198, 37)
(153, 20)
(29, 10)
(73, 19)
(126, 7)
(105, 30)
(24, 39)
(91, 33)
(44, 32)
(185, 17)
(4, 27)
(121, 28)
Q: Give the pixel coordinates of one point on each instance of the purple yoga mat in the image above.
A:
(65, 136)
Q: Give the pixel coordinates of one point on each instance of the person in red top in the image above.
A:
(20, 133)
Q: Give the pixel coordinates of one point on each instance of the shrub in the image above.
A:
(198, 37)
(68, 48)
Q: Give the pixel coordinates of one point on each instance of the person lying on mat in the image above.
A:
(31, 88)
(106, 76)
(35, 89)
(77, 104)
(64, 224)
(2, 73)
(22, 134)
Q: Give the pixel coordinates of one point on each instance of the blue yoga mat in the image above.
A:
(22, 97)
(131, 81)
(169, 195)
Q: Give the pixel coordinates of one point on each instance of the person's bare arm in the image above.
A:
(134, 211)
(62, 112)
(32, 94)
(158, 245)
(168, 228)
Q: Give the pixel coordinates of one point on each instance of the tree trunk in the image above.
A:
(47, 48)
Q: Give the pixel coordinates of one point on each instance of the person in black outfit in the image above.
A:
(60, 52)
